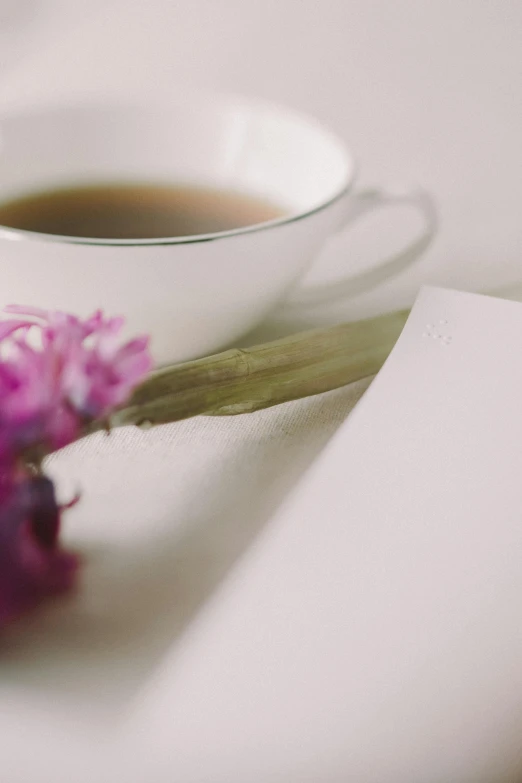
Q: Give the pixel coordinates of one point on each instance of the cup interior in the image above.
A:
(232, 143)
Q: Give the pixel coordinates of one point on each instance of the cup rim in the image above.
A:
(17, 234)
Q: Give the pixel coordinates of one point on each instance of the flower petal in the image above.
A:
(32, 564)
(32, 312)
(9, 327)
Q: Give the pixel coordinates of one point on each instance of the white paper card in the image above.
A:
(375, 631)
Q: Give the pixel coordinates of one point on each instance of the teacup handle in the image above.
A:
(361, 204)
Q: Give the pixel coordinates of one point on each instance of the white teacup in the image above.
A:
(194, 294)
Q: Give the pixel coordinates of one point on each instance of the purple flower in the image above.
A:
(76, 372)
(57, 374)
(32, 564)
(93, 372)
(32, 409)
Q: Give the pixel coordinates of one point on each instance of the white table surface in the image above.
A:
(426, 92)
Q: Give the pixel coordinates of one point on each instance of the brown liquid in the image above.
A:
(135, 211)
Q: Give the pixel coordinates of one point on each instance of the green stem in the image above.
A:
(246, 380)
